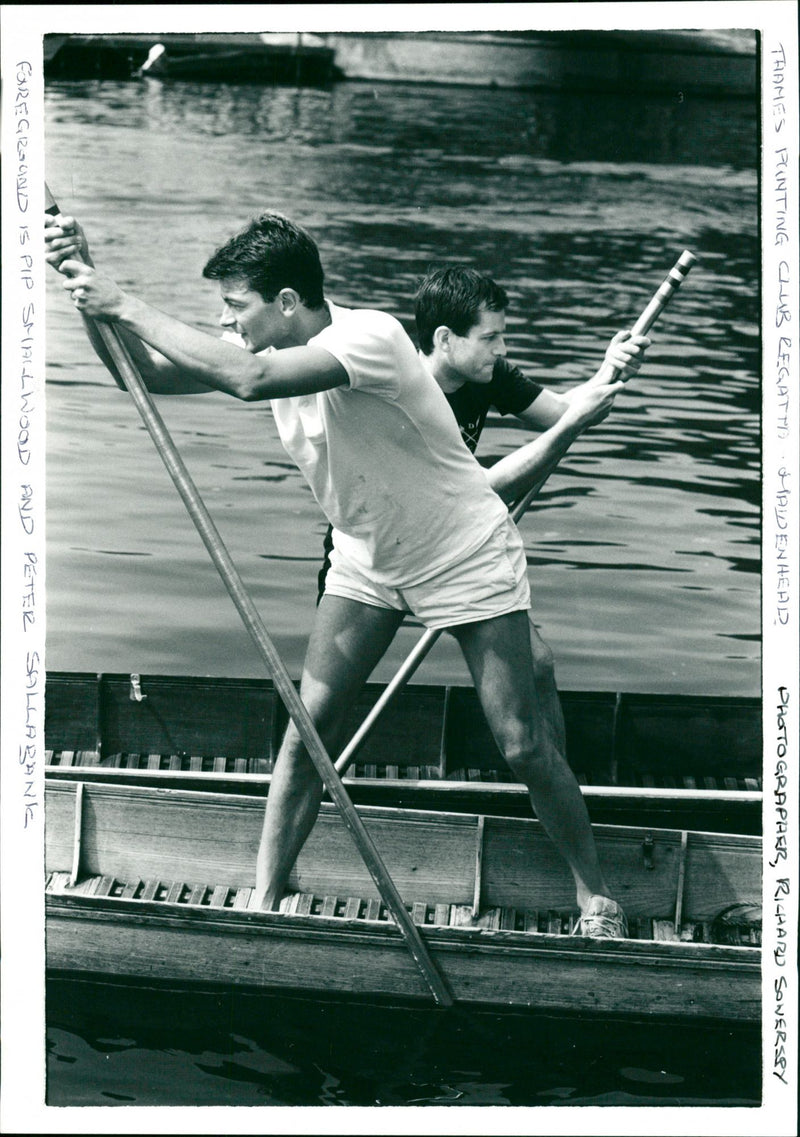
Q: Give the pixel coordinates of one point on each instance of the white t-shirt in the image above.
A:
(384, 456)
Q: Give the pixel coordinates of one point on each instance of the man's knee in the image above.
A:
(527, 748)
(543, 659)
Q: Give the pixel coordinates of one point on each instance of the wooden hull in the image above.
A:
(136, 910)
(640, 759)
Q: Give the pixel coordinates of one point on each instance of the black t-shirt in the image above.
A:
(508, 392)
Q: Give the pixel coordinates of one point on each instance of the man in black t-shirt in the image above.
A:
(460, 318)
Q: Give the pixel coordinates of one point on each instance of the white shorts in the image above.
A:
(491, 581)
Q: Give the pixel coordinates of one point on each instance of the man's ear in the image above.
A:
(290, 301)
(442, 338)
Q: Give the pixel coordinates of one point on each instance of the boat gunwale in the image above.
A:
(443, 786)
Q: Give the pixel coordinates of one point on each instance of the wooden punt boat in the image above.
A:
(689, 762)
(153, 885)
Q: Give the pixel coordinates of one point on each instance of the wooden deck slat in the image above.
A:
(441, 914)
(553, 922)
(418, 912)
(219, 896)
(149, 890)
(87, 758)
(197, 894)
(508, 919)
(490, 919)
(531, 920)
(288, 904)
(174, 891)
(304, 903)
(645, 928)
(241, 898)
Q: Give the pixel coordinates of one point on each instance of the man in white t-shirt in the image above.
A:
(419, 528)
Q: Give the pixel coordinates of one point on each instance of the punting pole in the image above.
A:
(129, 373)
(656, 306)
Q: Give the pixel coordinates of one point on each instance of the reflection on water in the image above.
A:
(477, 124)
(114, 1045)
(578, 204)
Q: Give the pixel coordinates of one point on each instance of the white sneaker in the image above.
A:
(602, 919)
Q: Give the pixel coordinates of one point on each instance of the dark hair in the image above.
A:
(271, 253)
(453, 297)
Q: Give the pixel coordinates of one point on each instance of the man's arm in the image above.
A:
(515, 474)
(624, 354)
(65, 240)
(210, 362)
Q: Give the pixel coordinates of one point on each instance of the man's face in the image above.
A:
(259, 322)
(473, 355)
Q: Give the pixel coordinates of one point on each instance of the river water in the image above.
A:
(643, 548)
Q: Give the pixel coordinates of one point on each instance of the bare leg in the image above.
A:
(546, 689)
(347, 641)
(498, 654)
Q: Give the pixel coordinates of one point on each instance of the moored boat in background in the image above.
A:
(705, 62)
(715, 62)
(232, 57)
